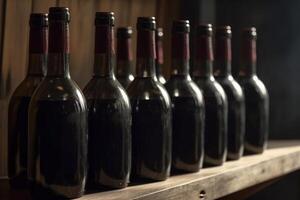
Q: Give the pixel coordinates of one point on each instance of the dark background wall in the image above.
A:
(278, 27)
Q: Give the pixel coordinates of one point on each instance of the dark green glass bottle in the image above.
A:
(151, 111)
(19, 101)
(124, 56)
(187, 105)
(256, 96)
(234, 93)
(109, 116)
(215, 133)
(57, 148)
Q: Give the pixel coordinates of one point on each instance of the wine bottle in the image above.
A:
(215, 133)
(124, 56)
(57, 148)
(151, 111)
(234, 93)
(159, 55)
(187, 105)
(19, 101)
(256, 96)
(109, 154)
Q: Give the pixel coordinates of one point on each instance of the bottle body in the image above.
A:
(151, 129)
(257, 114)
(187, 105)
(109, 117)
(57, 125)
(216, 105)
(188, 124)
(151, 111)
(19, 102)
(58, 138)
(17, 131)
(256, 96)
(236, 116)
(234, 93)
(215, 133)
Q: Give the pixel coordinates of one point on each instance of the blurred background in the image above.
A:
(278, 45)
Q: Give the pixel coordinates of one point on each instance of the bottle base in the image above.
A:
(211, 162)
(253, 149)
(19, 182)
(183, 167)
(56, 192)
(104, 185)
(233, 156)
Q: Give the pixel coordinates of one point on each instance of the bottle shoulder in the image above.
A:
(105, 88)
(161, 79)
(253, 86)
(59, 89)
(232, 88)
(147, 88)
(178, 87)
(212, 91)
(27, 87)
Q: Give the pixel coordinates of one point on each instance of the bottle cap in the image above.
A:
(59, 14)
(146, 23)
(181, 26)
(105, 18)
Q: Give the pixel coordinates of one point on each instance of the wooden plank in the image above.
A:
(81, 39)
(166, 13)
(103, 5)
(2, 17)
(39, 6)
(121, 10)
(281, 158)
(14, 62)
(248, 192)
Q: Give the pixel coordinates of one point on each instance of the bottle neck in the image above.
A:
(105, 56)
(204, 57)
(146, 54)
(59, 50)
(249, 59)
(159, 56)
(180, 54)
(222, 66)
(38, 48)
(124, 56)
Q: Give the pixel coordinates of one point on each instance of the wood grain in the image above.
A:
(280, 159)
(14, 62)
(2, 18)
(43, 6)
(166, 13)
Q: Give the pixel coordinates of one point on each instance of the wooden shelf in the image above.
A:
(282, 157)
(234, 178)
